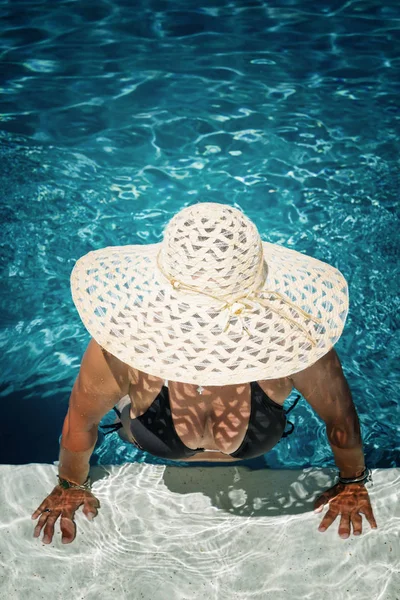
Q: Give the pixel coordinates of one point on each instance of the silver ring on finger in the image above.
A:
(46, 510)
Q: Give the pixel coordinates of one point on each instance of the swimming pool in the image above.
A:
(112, 119)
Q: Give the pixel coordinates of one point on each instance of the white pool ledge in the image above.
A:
(214, 533)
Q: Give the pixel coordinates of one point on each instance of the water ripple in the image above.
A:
(111, 121)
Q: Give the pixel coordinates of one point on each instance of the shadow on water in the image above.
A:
(245, 492)
(238, 489)
(31, 423)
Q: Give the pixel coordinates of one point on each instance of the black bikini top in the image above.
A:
(154, 431)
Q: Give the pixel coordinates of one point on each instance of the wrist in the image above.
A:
(351, 473)
(362, 478)
(67, 484)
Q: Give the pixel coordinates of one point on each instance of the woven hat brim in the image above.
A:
(133, 311)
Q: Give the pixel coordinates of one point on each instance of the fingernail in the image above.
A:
(321, 528)
(356, 533)
(46, 539)
(90, 516)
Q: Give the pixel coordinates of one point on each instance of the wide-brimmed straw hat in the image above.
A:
(212, 304)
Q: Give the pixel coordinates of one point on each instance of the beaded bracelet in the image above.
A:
(365, 476)
(66, 485)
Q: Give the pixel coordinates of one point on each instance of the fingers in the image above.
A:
(328, 519)
(68, 530)
(370, 516)
(350, 504)
(48, 521)
(90, 512)
(49, 527)
(67, 524)
(39, 509)
(91, 504)
(64, 503)
(40, 524)
(344, 526)
(346, 520)
(356, 520)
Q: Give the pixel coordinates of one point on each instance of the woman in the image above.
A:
(233, 324)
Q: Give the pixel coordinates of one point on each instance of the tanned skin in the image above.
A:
(203, 422)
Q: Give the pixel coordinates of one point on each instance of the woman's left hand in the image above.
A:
(347, 500)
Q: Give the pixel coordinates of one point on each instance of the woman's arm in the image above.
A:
(101, 382)
(325, 388)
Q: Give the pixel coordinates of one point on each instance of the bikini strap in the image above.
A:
(298, 397)
(113, 426)
(286, 433)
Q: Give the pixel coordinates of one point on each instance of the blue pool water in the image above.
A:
(116, 114)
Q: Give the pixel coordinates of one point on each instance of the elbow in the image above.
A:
(83, 441)
(344, 433)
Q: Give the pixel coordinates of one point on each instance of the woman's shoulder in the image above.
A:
(98, 355)
(277, 389)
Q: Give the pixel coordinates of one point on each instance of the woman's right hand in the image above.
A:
(63, 503)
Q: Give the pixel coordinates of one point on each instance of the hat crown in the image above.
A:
(214, 248)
